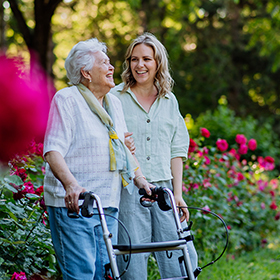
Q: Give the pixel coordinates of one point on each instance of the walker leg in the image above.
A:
(180, 232)
(107, 238)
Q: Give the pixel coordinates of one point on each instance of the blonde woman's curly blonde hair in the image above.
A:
(163, 80)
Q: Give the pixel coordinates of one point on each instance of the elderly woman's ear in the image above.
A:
(86, 74)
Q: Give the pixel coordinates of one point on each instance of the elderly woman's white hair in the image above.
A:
(81, 56)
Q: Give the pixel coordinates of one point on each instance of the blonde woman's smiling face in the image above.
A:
(143, 64)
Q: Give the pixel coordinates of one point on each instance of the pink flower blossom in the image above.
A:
(272, 193)
(243, 149)
(274, 183)
(206, 184)
(240, 139)
(273, 205)
(19, 276)
(39, 190)
(222, 145)
(277, 216)
(205, 150)
(23, 190)
(233, 153)
(194, 186)
(267, 163)
(252, 144)
(20, 172)
(204, 132)
(263, 205)
(207, 160)
(206, 208)
(262, 184)
(192, 146)
(240, 176)
(24, 106)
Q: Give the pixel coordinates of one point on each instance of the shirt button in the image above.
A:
(148, 120)
(148, 138)
(148, 158)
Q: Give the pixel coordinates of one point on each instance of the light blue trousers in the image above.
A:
(79, 245)
(149, 224)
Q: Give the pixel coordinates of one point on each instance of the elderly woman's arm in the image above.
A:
(63, 174)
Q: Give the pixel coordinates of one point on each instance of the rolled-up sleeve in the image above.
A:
(180, 140)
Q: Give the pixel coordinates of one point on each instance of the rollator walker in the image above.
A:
(166, 201)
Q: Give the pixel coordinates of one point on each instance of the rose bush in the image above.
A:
(25, 240)
(245, 193)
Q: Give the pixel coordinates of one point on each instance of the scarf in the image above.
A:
(121, 158)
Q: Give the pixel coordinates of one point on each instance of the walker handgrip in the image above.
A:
(86, 208)
(159, 195)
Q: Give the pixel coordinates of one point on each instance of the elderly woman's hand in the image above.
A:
(129, 142)
(72, 197)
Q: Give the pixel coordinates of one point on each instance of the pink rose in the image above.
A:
(207, 160)
(205, 132)
(222, 145)
(240, 139)
(243, 149)
(273, 205)
(39, 190)
(252, 144)
(192, 146)
(206, 208)
(19, 276)
(267, 163)
(240, 176)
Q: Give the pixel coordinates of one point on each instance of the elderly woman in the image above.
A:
(162, 141)
(84, 151)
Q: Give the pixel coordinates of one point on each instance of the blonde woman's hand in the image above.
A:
(185, 212)
(129, 142)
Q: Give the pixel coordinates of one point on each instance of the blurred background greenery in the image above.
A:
(221, 51)
(224, 57)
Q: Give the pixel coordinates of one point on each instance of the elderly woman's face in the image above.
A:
(102, 72)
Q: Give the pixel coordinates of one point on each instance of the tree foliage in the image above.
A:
(216, 47)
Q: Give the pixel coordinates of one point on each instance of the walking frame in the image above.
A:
(114, 250)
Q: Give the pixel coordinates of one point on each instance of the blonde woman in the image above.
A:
(161, 139)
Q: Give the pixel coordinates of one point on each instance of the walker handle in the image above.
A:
(86, 207)
(159, 195)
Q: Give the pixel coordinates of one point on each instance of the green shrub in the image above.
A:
(245, 193)
(25, 240)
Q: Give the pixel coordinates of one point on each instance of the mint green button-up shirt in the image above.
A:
(159, 135)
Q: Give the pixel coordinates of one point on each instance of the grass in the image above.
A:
(261, 264)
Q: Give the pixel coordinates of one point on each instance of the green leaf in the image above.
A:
(14, 179)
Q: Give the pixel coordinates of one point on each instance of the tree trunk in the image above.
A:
(38, 40)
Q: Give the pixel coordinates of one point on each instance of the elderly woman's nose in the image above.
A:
(111, 67)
